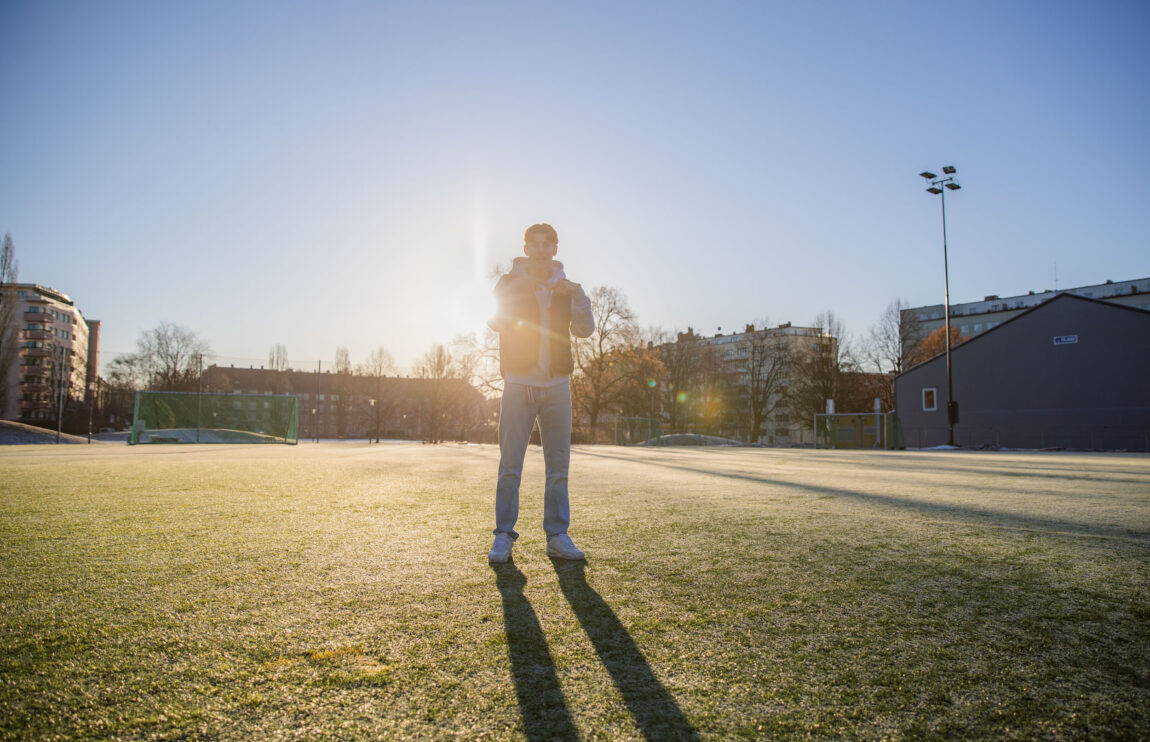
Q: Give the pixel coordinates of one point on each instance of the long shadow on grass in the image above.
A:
(937, 509)
(654, 709)
(545, 714)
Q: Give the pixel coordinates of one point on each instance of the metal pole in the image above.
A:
(199, 396)
(59, 391)
(946, 311)
(315, 409)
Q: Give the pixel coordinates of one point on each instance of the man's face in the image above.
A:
(540, 247)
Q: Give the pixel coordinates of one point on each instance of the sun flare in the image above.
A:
(469, 308)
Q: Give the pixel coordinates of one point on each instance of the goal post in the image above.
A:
(858, 430)
(190, 417)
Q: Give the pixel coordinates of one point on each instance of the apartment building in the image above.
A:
(50, 353)
(976, 317)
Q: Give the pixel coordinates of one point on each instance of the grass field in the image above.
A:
(342, 591)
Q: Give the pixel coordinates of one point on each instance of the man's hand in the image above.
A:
(568, 288)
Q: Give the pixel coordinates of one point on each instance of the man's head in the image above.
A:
(540, 242)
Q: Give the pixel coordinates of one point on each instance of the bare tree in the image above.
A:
(167, 357)
(378, 365)
(278, 357)
(765, 372)
(343, 389)
(9, 322)
(342, 360)
(642, 370)
(125, 376)
(478, 357)
(682, 360)
(911, 334)
(600, 379)
(127, 372)
(885, 352)
(61, 384)
(441, 375)
(714, 392)
(819, 369)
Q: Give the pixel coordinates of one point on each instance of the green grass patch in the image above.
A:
(342, 591)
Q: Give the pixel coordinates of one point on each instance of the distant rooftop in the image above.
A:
(995, 303)
(43, 290)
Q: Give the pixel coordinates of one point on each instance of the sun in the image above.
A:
(468, 308)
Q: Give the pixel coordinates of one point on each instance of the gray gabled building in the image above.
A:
(1073, 372)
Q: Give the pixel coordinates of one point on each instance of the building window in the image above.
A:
(929, 399)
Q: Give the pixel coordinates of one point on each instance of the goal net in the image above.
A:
(188, 417)
(631, 431)
(851, 430)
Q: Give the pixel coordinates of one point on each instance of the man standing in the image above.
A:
(538, 312)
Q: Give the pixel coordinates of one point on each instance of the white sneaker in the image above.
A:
(501, 549)
(561, 547)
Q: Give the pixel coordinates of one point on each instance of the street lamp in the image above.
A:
(939, 187)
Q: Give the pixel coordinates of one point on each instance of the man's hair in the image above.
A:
(546, 229)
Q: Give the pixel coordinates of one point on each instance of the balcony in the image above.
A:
(35, 386)
(37, 335)
(41, 317)
(36, 352)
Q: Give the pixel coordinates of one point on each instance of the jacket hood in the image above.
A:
(519, 268)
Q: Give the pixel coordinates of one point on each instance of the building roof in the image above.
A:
(1041, 307)
(994, 303)
(51, 293)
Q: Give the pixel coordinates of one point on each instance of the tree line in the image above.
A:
(171, 357)
(682, 380)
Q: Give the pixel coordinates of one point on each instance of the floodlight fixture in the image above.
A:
(953, 186)
(928, 175)
(934, 189)
(949, 169)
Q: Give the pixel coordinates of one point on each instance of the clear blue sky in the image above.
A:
(346, 173)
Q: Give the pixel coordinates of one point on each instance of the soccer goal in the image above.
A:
(631, 431)
(188, 417)
(851, 430)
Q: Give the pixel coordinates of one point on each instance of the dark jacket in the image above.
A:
(526, 306)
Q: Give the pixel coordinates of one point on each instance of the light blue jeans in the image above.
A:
(520, 407)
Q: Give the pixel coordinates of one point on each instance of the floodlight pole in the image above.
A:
(315, 409)
(91, 402)
(199, 395)
(939, 187)
(62, 369)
